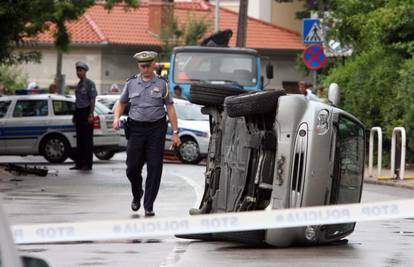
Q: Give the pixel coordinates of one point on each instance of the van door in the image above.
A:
(25, 125)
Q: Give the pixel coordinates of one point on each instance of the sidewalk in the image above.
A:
(407, 183)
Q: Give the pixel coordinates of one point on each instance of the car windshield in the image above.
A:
(215, 67)
(190, 112)
(101, 109)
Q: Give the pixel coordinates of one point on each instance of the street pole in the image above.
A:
(217, 17)
(242, 24)
(314, 81)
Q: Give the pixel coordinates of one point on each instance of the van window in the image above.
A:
(61, 107)
(30, 108)
(349, 162)
(4, 106)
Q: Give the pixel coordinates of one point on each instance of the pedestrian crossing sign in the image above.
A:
(312, 31)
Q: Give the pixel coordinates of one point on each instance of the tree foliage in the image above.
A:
(20, 20)
(12, 78)
(182, 34)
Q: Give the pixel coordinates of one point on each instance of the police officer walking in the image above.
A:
(83, 118)
(146, 128)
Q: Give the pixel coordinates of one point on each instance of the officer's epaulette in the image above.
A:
(132, 77)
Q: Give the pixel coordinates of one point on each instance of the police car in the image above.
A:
(194, 132)
(270, 151)
(42, 125)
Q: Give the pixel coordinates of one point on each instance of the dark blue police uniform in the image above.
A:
(147, 126)
(85, 92)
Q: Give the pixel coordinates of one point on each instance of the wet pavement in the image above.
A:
(104, 194)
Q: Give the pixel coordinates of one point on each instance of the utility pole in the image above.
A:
(217, 17)
(242, 24)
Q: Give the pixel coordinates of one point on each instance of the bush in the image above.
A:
(12, 78)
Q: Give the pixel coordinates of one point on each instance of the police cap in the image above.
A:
(145, 56)
(82, 65)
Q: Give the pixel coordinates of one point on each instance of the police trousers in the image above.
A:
(146, 145)
(84, 138)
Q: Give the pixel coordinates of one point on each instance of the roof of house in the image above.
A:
(130, 26)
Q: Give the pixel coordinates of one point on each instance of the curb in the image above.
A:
(393, 184)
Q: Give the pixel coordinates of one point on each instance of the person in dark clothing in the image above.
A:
(146, 128)
(83, 118)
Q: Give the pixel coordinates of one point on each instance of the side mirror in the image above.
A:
(269, 71)
(334, 94)
(29, 261)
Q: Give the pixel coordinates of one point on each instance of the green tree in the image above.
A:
(176, 34)
(23, 19)
(12, 78)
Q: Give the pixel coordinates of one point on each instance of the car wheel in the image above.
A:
(252, 104)
(212, 94)
(55, 148)
(189, 151)
(104, 154)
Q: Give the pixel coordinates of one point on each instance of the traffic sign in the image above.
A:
(314, 57)
(312, 31)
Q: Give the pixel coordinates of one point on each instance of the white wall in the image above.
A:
(260, 10)
(44, 73)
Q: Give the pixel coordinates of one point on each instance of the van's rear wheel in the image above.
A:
(253, 104)
(212, 94)
(55, 148)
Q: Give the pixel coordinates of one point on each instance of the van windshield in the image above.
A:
(190, 67)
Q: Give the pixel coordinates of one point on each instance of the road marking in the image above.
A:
(197, 188)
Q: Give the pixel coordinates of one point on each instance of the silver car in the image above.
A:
(270, 151)
(42, 125)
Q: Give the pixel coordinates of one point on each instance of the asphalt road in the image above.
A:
(104, 194)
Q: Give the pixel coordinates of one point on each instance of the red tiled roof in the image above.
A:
(130, 26)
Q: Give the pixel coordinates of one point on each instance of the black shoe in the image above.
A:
(74, 168)
(149, 213)
(85, 168)
(135, 205)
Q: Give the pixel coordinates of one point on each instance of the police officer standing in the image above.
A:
(146, 128)
(83, 118)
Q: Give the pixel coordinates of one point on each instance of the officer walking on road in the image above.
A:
(146, 128)
(83, 118)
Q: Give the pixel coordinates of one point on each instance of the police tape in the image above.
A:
(211, 223)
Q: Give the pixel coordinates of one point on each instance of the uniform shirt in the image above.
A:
(147, 98)
(85, 91)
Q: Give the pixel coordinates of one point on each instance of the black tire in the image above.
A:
(189, 151)
(104, 154)
(252, 104)
(212, 94)
(55, 148)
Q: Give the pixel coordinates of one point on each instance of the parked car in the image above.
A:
(42, 125)
(194, 132)
(9, 256)
(107, 100)
(271, 151)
